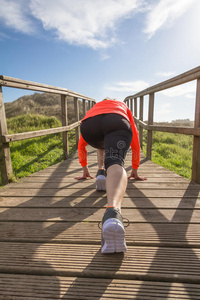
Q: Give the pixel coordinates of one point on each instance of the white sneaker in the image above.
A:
(101, 180)
(113, 232)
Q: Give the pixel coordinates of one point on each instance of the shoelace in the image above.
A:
(127, 220)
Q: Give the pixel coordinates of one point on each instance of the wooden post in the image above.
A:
(196, 140)
(150, 122)
(84, 107)
(131, 105)
(76, 109)
(5, 157)
(141, 119)
(65, 123)
(135, 107)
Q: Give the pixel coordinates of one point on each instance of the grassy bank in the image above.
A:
(32, 155)
(172, 151)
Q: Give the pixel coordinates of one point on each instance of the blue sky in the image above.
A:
(103, 48)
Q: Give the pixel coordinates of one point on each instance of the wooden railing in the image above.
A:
(5, 138)
(191, 75)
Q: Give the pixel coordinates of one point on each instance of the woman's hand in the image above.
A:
(134, 175)
(86, 174)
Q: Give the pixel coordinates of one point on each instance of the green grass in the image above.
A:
(32, 155)
(172, 151)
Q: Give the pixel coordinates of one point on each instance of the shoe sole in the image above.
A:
(113, 236)
(101, 183)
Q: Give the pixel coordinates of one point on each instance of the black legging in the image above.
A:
(111, 132)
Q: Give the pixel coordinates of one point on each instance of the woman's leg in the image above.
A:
(100, 158)
(116, 183)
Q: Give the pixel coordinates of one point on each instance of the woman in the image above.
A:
(109, 127)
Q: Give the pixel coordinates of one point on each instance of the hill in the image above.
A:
(40, 103)
(47, 104)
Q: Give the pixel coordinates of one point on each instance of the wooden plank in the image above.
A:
(99, 201)
(75, 184)
(78, 214)
(59, 179)
(57, 287)
(90, 192)
(138, 263)
(163, 235)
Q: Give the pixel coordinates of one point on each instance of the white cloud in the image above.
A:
(14, 14)
(91, 23)
(165, 12)
(130, 86)
(87, 22)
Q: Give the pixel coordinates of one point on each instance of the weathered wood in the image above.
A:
(141, 112)
(99, 201)
(150, 122)
(29, 85)
(170, 129)
(135, 107)
(76, 110)
(49, 226)
(65, 123)
(56, 287)
(196, 141)
(5, 157)
(137, 234)
(146, 263)
(6, 138)
(90, 192)
(178, 80)
(131, 105)
(84, 107)
(72, 184)
(74, 214)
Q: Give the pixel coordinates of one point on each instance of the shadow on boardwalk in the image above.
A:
(180, 261)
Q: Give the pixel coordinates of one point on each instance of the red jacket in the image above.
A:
(118, 107)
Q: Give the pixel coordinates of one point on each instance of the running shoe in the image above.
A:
(101, 180)
(113, 232)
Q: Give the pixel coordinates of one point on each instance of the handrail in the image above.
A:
(5, 138)
(193, 74)
(172, 82)
(40, 87)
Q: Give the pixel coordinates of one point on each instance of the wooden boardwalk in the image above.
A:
(50, 240)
